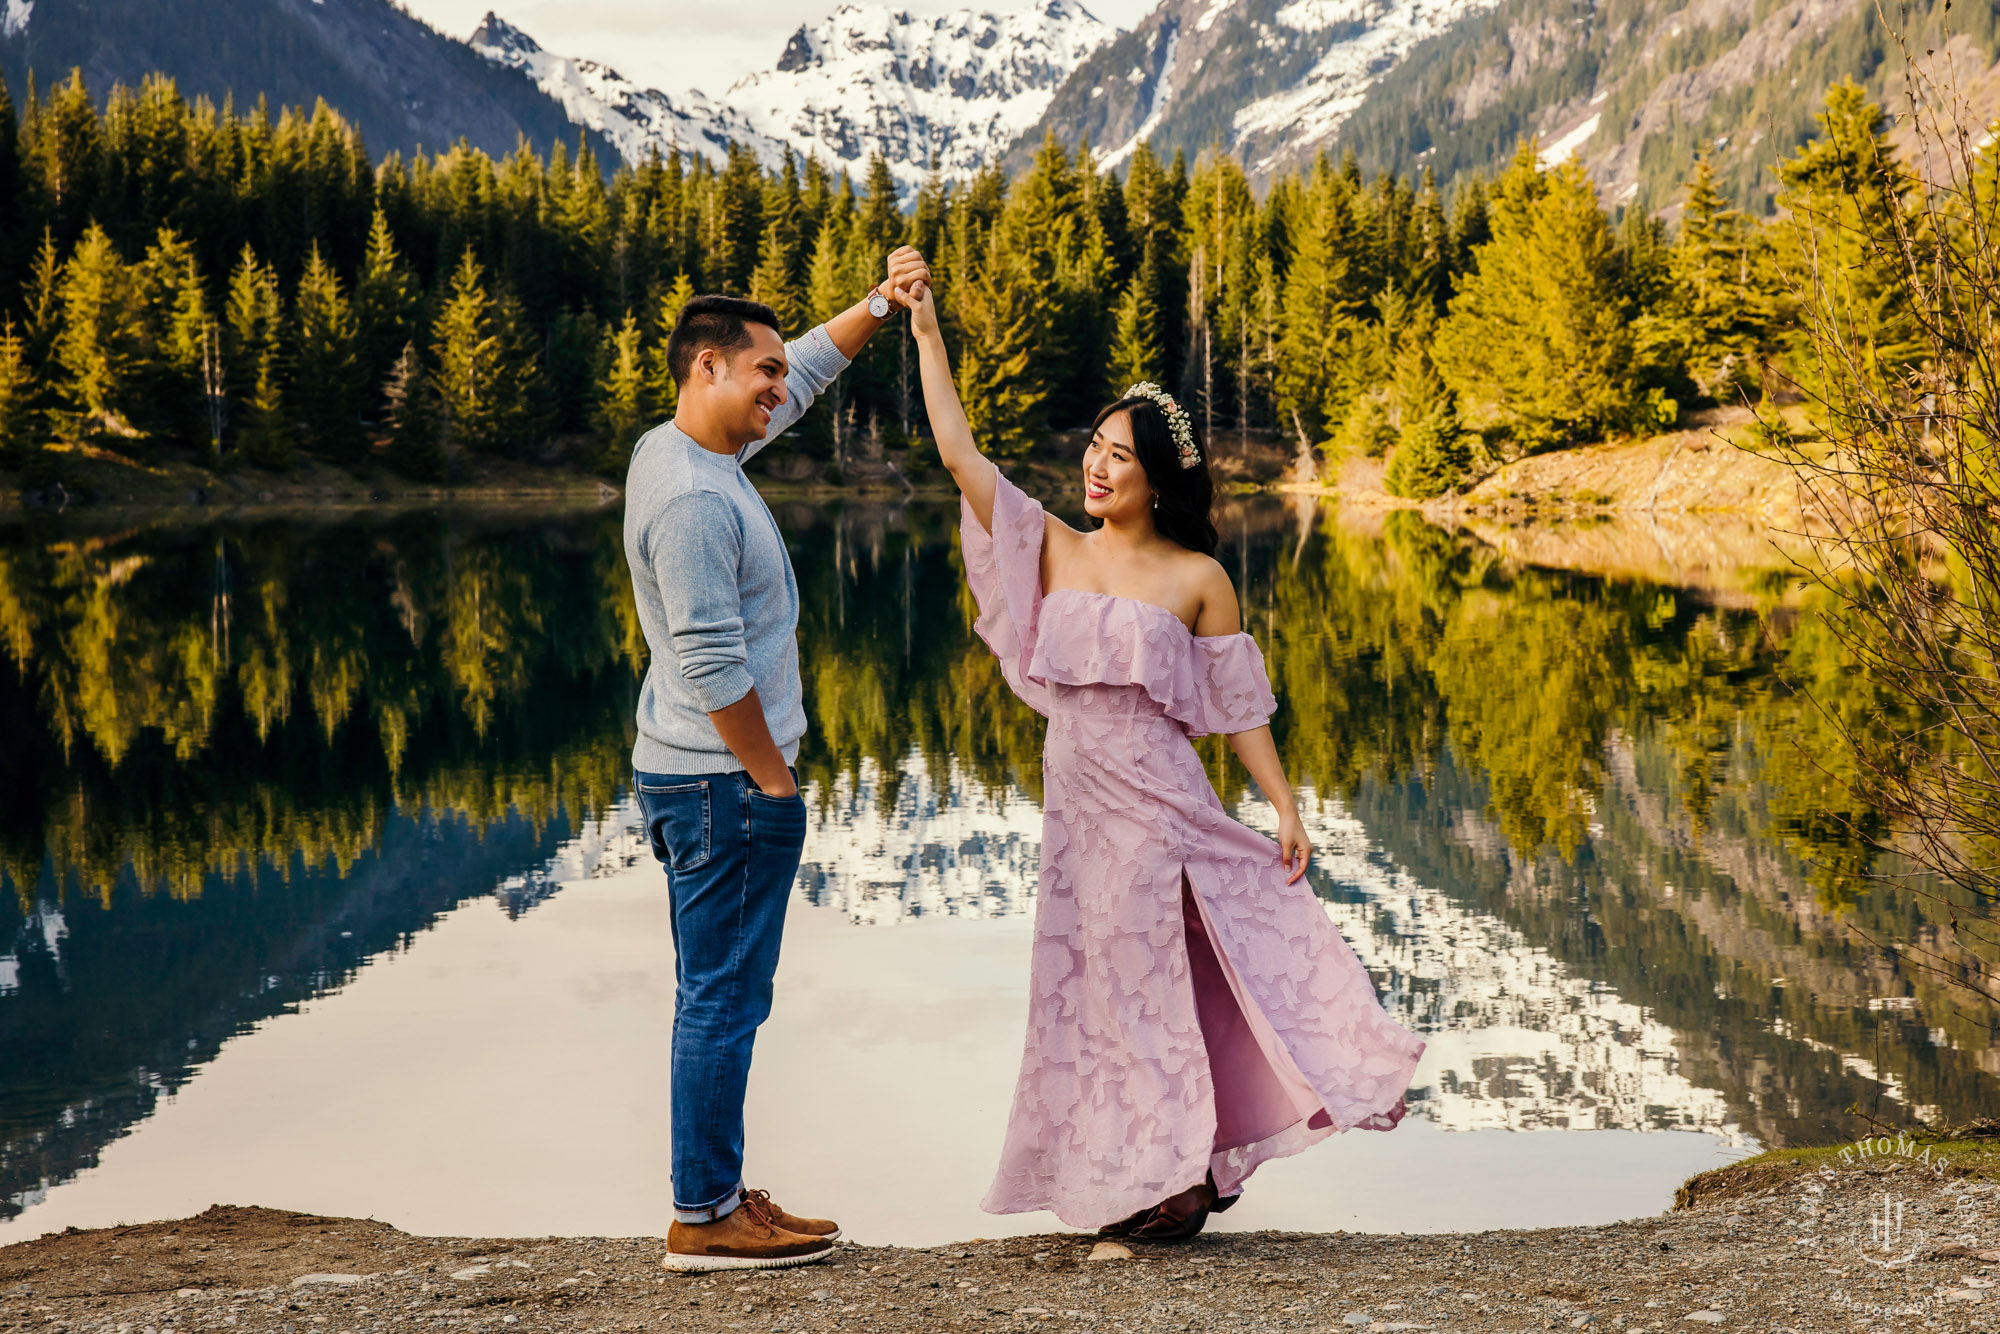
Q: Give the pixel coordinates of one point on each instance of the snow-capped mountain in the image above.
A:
(634, 119)
(956, 88)
(1269, 81)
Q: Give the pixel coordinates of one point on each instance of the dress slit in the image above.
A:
(1258, 1089)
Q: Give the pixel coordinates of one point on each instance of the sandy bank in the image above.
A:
(1792, 1251)
(1703, 469)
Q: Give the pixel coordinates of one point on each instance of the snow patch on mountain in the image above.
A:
(1566, 147)
(1376, 35)
(956, 88)
(636, 120)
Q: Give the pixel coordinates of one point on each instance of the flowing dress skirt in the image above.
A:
(1188, 1010)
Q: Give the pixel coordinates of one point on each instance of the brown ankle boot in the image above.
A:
(749, 1237)
(811, 1227)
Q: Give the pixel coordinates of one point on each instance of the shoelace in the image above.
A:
(758, 1202)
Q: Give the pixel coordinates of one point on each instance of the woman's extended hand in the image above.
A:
(922, 305)
(1295, 846)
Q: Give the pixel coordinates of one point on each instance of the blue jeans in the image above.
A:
(732, 855)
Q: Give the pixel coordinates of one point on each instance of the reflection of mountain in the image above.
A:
(937, 846)
(1520, 1038)
(1717, 940)
(115, 1002)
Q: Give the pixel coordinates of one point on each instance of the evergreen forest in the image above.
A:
(251, 287)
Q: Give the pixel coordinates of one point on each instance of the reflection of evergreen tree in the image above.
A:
(212, 695)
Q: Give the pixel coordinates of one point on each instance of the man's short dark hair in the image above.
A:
(720, 322)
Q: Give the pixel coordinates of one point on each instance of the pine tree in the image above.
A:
(21, 429)
(327, 388)
(829, 291)
(1135, 341)
(1320, 311)
(662, 390)
(738, 221)
(1003, 396)
(179, 326)
(1723, 309)
(97, 348)
(1432, 455)
(623, 409)
(1846, 190)
(412, 436)
(384, 302)
(775, 279)
(1537, 339)
(466, 357)
(41, 299)
(64, 146)
(263, 434)
(13, 201)
(485, 374)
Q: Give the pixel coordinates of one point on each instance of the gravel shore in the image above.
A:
(1788, 1247)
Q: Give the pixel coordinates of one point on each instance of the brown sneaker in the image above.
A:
(748, 1238)
(811, 1227)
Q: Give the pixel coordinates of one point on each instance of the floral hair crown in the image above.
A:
(1177, 420)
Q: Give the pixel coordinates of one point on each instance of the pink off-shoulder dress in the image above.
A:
(1175, 1026)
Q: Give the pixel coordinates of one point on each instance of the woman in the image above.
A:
(1192, 1011)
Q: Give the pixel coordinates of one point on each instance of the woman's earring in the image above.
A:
(1156, 501)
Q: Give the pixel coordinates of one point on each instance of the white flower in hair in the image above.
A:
(1177, 421)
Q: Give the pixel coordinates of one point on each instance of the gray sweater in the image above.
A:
(717, 597)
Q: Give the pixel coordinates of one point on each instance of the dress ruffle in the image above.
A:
(1207, 683)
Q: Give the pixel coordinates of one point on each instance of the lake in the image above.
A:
(323, 887)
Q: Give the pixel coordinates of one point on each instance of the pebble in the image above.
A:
(1964, 1295)
(1357, 1318)
(1110, 1250)
(1705, 1317)
(306, 1280)
(821, 1294)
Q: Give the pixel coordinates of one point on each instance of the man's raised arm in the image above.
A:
(814, 358)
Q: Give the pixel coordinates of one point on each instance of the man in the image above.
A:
(720, 717)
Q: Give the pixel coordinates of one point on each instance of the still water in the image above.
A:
(320, 885)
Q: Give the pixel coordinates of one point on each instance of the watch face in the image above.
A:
(878, 305)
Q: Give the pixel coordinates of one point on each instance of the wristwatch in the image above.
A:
(878, 305)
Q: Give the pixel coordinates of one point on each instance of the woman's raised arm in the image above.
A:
(975, 474)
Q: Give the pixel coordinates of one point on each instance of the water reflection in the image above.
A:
(1566, 820)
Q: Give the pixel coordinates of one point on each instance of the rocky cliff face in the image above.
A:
(1269, 81)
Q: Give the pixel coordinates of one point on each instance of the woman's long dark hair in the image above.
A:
(1185, 494)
